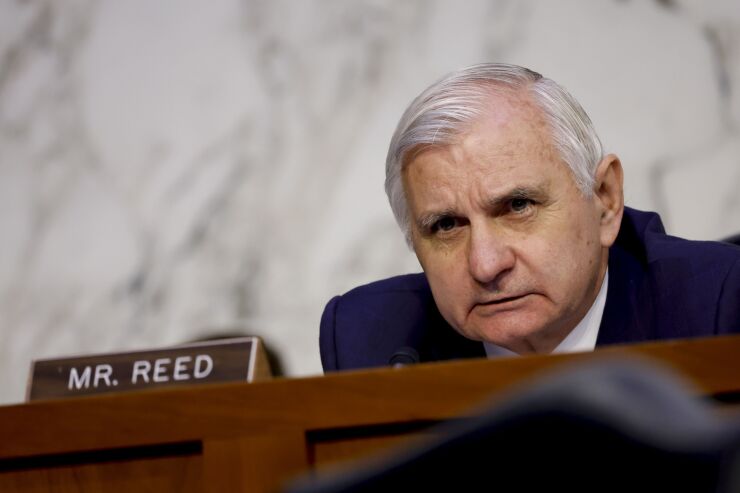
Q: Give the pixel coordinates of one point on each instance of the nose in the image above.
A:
(489, 254)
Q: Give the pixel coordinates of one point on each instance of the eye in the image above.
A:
(445, 224)
(520, 204)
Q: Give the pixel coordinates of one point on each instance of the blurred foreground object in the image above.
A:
(625, 425)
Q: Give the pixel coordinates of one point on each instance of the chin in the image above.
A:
(511, 333)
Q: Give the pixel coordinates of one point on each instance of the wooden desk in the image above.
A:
(251, 437)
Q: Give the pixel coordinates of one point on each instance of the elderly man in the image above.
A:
(497, 178)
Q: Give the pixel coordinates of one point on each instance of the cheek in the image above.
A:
(561, 255)
(447, 275)
(436, 259)
(576, 260)
(441, 270)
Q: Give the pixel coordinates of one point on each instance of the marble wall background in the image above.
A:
(175, 168)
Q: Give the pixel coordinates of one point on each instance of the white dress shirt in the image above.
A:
(582, 338)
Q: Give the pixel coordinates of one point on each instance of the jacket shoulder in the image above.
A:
(404, 283)
(365, 326)
(642, 233)
(676, 287)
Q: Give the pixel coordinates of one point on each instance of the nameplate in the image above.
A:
(228, 360)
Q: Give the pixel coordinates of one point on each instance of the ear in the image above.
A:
(609, 197)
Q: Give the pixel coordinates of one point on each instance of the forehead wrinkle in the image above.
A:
(525, 145)
(439, 196)
(508, 136)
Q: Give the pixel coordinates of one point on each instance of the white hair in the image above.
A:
(446, 109)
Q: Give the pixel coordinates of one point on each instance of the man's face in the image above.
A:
(514, 253)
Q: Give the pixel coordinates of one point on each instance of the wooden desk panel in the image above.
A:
(88, 473)
(254, 436)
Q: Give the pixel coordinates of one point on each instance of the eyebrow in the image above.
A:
(426, 221)
(537, 193)
(493, 204)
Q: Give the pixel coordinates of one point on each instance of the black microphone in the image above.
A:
(404, 356)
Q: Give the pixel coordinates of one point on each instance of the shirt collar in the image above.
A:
(581, 338)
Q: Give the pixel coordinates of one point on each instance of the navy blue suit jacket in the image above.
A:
(660, 287)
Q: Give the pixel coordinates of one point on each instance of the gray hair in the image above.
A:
(448, 107)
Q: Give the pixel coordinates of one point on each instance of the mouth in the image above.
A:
(502, 301)
(500, 304)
